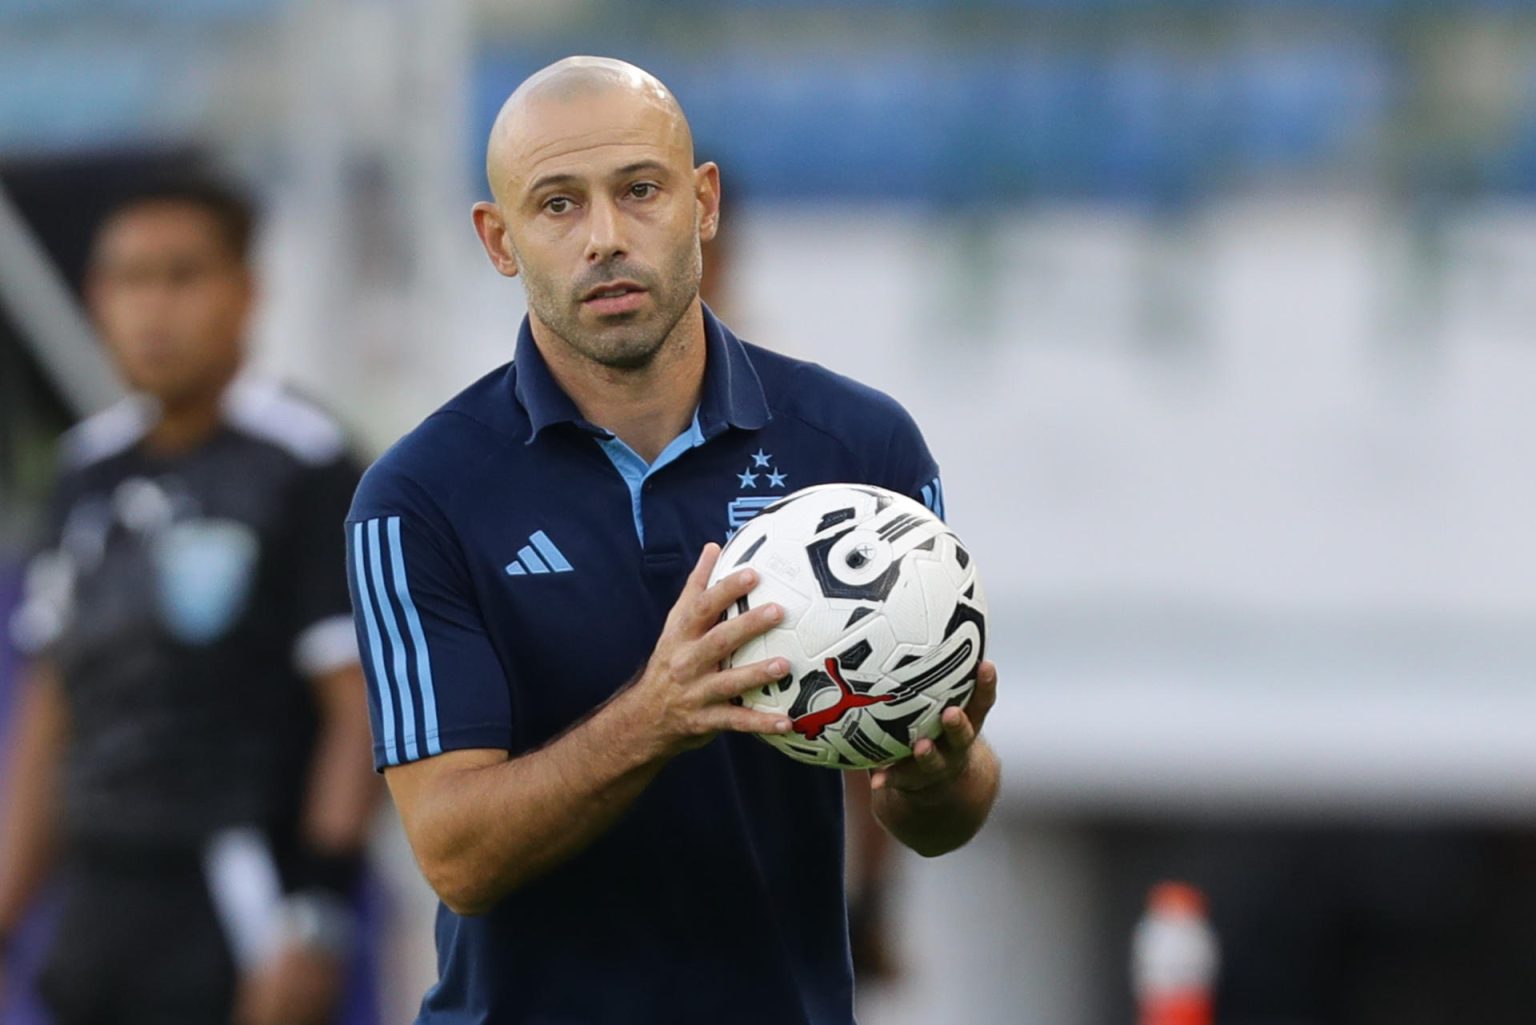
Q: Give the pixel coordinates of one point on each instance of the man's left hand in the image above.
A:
(938, 762)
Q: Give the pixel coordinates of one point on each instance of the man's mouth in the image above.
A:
(614, 297)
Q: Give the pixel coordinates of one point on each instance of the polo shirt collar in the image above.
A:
(732, 395)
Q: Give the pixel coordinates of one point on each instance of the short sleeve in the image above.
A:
(47, 591)
(435, 683)
(323, 639)
(910, 468)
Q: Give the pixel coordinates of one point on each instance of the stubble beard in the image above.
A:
(626, 342)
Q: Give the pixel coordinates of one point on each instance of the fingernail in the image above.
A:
(778, 667)
(749, 576)
(782, 725)
(775, 613)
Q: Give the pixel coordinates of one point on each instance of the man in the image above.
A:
(193, 728)
(548, 706)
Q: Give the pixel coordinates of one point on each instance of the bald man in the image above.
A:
(529, 571)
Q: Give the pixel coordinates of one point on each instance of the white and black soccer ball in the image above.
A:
(884, 621)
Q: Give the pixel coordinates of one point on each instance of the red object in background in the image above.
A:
(1174, 958)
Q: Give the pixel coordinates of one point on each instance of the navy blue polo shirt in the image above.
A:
(511, 567)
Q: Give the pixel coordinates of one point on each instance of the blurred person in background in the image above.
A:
(191, 748)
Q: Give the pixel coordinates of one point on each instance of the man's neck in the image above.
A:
(187, 422)
(646, 408)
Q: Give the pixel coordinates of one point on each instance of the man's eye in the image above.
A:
(642, 190)
(557, 205)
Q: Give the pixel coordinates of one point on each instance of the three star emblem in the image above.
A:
(761, 460)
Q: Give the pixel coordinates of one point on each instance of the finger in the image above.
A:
(725, 637)
(914, 770)
(986, 684)
(697, 582)
(704, 611)
(927, 756)
(734, 682)
(926, 767)
(958, 732)
(984, 696)
(735, 719)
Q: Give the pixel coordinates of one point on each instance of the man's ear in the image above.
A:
(706, 190)
(492, 229)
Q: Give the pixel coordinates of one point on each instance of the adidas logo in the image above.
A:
(538, 556)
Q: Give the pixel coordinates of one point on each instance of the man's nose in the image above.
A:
(605, 238)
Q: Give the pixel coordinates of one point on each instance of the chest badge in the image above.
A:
(539, 555)
(760, 485)
(204, 571)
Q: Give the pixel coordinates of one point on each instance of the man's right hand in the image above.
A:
(684, 698)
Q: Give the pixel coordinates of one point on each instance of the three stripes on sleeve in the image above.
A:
(394, 642)
(933, 497)
(395, 645)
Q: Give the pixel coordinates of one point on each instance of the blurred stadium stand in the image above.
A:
(1132, 124)
(1162, 102)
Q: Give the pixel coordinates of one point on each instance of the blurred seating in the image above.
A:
(60, 11)
(902, 117)
(1134, 123)
(1102, 6)
(80, 93)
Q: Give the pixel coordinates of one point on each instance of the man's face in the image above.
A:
(170, 299)
(603, 208)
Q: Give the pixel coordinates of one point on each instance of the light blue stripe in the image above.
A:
(515, 569)
(396, 645)
(691, 438)
(531, 560)
(386, 693)
(933, 497)
(634, 469)
(418, 639)
(552, 555)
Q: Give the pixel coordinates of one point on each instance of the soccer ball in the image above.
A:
(884, 621)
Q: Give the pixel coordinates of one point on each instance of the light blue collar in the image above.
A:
(635, 471)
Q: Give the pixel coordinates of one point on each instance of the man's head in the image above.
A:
(598, 207)
(171, 289)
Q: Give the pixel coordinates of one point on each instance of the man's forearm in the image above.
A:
(343, 790)
(27, 823)
(938, 820)
(484, 830)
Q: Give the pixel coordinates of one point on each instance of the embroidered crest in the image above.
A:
(204, 570)
(760, 475)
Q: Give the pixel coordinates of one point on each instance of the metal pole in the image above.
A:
(51, 322)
